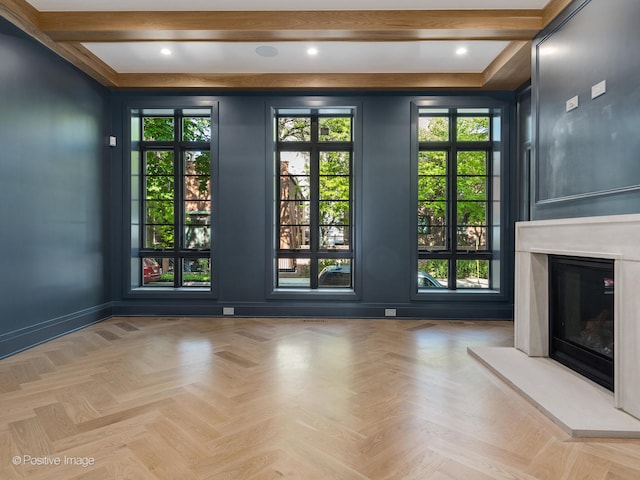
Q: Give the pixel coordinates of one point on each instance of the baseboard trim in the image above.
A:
(28, 337)
(331, 310)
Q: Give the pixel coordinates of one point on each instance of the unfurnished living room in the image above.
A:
(319, 240)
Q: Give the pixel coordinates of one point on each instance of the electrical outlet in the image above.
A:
(389, 312)
(228, 311)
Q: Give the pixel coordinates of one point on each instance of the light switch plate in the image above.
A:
(572, 103)
(599, 89)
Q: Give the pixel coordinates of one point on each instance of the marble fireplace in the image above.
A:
(527, 366)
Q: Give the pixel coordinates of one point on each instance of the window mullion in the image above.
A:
(351, 202)
(177, 218)
(279, 200)
(453, 201)
(179, 206)
(315, 215)
(143, 199)
(453, 217)
(490, 204)
(315, 201)
(489, 198)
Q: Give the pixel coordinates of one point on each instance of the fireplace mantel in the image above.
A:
(614, 237)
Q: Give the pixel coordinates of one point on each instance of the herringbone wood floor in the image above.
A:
(259, 399)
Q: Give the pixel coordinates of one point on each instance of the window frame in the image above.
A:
(496, 180)
(315, 253)
(179, 252)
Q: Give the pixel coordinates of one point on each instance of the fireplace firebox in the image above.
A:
(581, 292)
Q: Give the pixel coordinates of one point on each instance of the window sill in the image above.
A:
(314, 294)
(446, 291)
(460, 294)
(170, 291)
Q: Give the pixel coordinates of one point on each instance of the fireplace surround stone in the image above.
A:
(614, 237)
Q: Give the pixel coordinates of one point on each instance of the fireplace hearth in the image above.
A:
(581, 312)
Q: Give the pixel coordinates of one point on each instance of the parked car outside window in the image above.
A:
(340, 276)
(151, 271)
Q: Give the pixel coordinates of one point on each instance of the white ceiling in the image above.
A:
(292, 57)
(240, 5)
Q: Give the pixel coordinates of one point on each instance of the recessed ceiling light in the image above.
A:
(312, 51)
(461, 51)
(165, 51)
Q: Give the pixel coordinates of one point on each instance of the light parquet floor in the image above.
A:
(264, 399)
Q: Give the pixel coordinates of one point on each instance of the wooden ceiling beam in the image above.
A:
(20, 13)
(289, 81)
(552, 10)
(349, 25)
(511, 69)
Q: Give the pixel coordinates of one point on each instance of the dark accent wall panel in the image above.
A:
(387, 177)
(241, 224)
(588, 159)
(525, 148)
(53, 122)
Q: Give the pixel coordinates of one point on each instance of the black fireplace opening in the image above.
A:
(581, 292)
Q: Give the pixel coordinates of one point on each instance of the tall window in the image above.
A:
(314, 163)
(171, 197)
(455, 204)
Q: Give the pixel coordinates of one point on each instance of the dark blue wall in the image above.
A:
(53, 122)
(383, 214)
(587, 160)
